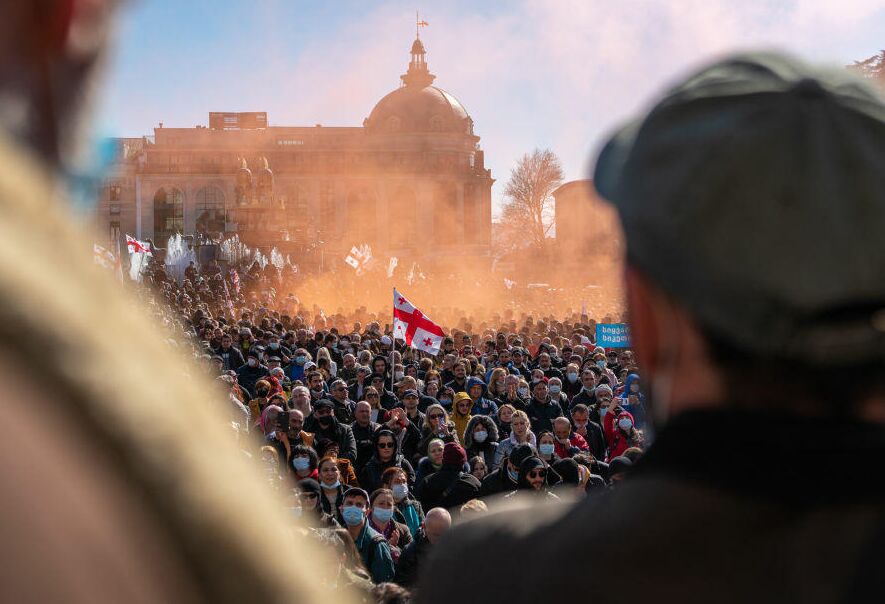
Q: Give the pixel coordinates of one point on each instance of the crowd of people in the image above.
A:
(383, 446)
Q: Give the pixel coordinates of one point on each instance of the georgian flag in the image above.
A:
(103, 257)
(134, 245)
(358, 258)
(412, 327)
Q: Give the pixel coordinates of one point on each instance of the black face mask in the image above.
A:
(325, 421)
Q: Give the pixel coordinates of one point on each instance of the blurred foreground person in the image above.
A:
(108, 493)
(752, 199)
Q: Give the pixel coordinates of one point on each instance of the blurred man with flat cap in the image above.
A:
(107, 496)
(752, 197)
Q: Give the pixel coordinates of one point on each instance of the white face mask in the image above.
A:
(252, 362)
(572, 377)
(480, 436)
(523, 392)
(625, 423)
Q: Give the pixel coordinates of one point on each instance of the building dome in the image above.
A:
(414, 109)
(417, 106)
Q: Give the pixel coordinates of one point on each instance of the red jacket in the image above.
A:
(575, 440)
(617, 441)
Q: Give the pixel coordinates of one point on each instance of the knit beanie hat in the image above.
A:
(520, 453)
(309, 485)
(454, 455)
(567, 470)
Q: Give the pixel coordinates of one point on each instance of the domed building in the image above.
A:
(411, 181)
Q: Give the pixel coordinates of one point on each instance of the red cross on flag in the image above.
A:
(415, 329)
(136, 246)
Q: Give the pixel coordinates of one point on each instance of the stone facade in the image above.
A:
(410, 181)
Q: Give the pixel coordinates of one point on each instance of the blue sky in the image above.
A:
(557, 73)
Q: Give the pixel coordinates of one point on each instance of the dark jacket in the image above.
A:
(247, 376)
(364, 436)
(343, 411)
(497, 482)
(232, 357)
(587, 398)
(411, 560)
(541, 416)
(487, 449)
(409, 442)
(370, 476)
(595, 439)
(450, 487)
(338, 432)
(697, 527)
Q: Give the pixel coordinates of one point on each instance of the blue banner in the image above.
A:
(613, 335)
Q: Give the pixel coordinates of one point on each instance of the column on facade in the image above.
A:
(425, 190)
(138, 207)
(458, 235)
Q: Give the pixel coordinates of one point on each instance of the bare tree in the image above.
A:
(872, 67)
(527, 215)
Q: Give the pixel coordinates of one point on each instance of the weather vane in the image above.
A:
(419, 24)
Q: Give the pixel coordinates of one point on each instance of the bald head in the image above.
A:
(362, 413)
(436, 522)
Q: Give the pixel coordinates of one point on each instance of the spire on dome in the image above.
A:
(418, 75)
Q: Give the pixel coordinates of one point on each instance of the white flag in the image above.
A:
(103, 257)
(391, 266)
(135, 246)
(412, 327)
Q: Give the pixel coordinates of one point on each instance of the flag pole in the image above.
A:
(393, 343)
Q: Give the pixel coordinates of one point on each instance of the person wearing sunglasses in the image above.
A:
(312, 513)
(534, 478)
(386, 455)
(436, 426)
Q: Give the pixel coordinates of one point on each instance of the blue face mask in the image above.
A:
(334, 485)
(353, 515)
(546, 449)
(300, 360)
(295, 512)
(301, 463)
(400, 491)
(600, 363)
(382, 516)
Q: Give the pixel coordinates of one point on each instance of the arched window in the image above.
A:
(403, 220)
(168, 214)
(211, 215)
